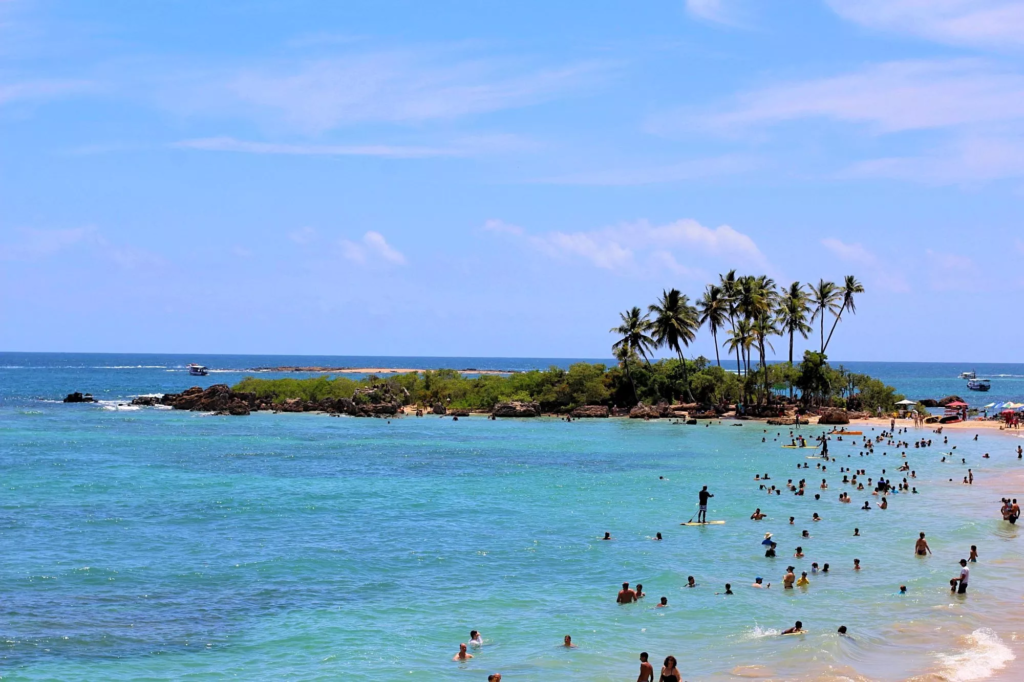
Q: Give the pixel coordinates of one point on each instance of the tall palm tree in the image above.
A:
(825, 298)
(793, 314)
(739, 340)
(763, 327)
(674, 325)
(714, 312)
(851, 287)
(728, 284)
(634, 337)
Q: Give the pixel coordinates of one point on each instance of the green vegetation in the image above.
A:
(750, 310)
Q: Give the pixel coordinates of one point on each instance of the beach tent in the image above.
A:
(907, 402)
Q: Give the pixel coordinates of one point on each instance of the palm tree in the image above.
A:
(739, 340)
(793, 314)
(634, 337)
(850, 288)
(825, 298)
(714, 311)
(674, 325)
(728, 284)
(764, 327)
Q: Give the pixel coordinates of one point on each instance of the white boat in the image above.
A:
(198, 370)
(968, 375)
(979, 384)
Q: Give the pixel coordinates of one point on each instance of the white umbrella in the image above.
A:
(907, 402)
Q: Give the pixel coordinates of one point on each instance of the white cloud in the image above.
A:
(500, 226)
(694, 169)
(875, 272)
(889, 97)
(639, 248)
(953, 272)
(981, 23)
(303, 235)
(371, 248)
(713, 10)
(850, 253)
(397, 86)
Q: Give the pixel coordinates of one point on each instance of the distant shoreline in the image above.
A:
(377, 370)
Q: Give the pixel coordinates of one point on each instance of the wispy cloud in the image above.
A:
(304, 235)
(471, 146)
(965, 161)
(39, 90)
(875, 272)
(981, 23)
(639, 248)
(887, 98)
(372, 248)
(693, 169)
(953, 272)
(399, 86)
(36, 245)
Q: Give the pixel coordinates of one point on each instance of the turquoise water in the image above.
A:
(150, 544)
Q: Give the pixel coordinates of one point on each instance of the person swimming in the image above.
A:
(475, 638)
(567, 642)
(759, 583)
(795, 630)
(803, 581)
(463, 655)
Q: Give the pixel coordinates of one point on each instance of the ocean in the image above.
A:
(162, 545)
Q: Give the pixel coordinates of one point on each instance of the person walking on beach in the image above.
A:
(646, 669)
(921, 547)
(702, 513)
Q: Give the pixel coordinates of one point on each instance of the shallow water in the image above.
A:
(164, 545)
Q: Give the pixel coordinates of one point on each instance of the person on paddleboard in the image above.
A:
(702, 514)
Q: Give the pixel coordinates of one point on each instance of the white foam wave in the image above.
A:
(116, 406)
(758, 632)
(985, 654)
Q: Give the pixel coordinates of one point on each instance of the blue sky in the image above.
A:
(501, 179)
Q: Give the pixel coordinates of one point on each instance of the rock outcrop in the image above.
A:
(950, 399)
(77, 397)
(590, 412)
(642, 411)
(516, 409)
(375, 401)
(834, 416)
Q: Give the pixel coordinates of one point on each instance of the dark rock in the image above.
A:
(516, 409)
(590, 412)
(292, 405)
(459, 413)
(950, 399)
(77, 397)
(438, 408)
(238, 408)
(834, 416)
(929, 402)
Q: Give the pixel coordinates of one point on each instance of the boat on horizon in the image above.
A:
(198, 370)
(979, 384)
(968, 375)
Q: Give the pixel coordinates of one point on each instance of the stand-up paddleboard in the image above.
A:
(706, 523)
(812, 457)
(801, 447)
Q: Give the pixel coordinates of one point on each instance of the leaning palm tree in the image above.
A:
(728, 284)
(825, 298)
(850, 288)
(634, 337)
(714, 312)
(674, 325)
(793, 314)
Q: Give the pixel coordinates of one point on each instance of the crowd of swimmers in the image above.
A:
(882, 488)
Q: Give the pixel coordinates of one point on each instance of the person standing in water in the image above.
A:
(646, 669)
(702, 513)
(921, 547)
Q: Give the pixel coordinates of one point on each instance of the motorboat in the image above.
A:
(198, 370)
(968, 375)
(979, 384)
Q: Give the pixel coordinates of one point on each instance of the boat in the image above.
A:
(198, 370)
(979, 384)
(968, 375)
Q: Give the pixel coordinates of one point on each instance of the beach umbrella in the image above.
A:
(1012, 406)
(907, 402)
(956, 403)
(989, 406)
